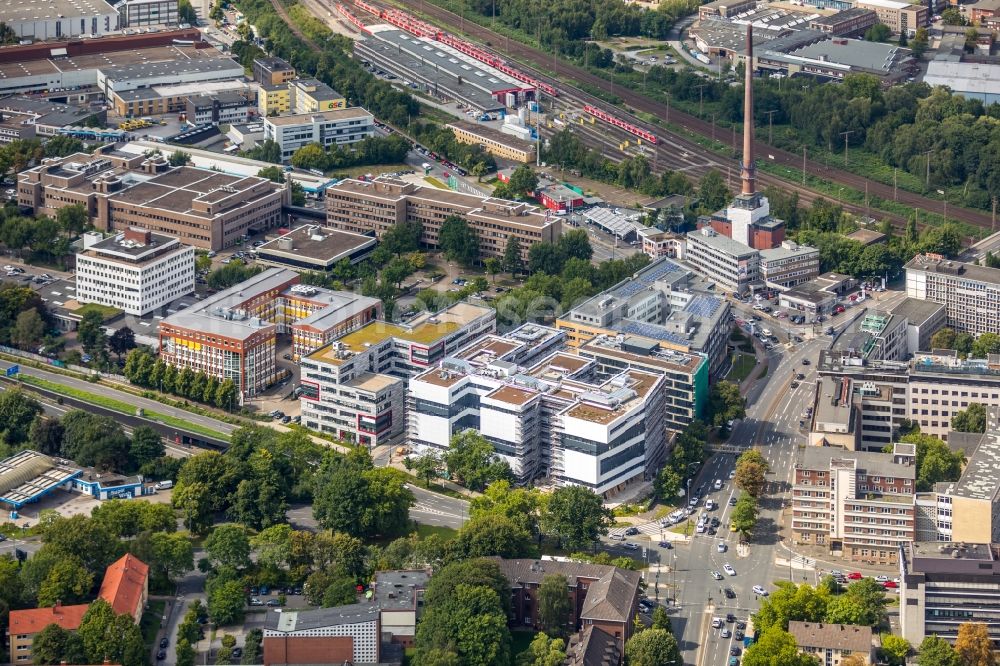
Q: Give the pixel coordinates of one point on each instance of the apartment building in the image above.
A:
(859, 505)
(374, 207)
(355, 387)
(335, 636)
(135, 271)
(947, 584)
(314, 96)
(730, 263)
(272, 71)
(970, 293)
(789, 265)
(901, 17)
(493, 141)
(327, 128)
(200, 207)
(664, 301)
(833, 643)
(551, 416)
(231, 334)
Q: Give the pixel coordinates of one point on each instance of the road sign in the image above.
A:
(13, 370)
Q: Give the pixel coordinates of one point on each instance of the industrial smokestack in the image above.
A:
(748, 170)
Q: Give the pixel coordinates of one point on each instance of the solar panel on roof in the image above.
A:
(652, 331)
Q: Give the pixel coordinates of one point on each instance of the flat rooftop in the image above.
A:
(954, 268)
(177, 69)
(334, 115)
(662, 359)
(868, 462)
(945, 550)
(721, 243)
(177, 189)
(981, 477)
(398, 589)
(290, 621)
(316, 242)
(15, 11)
(615, 399)
(101, 61)
(488, 132)
(794, 250)
(853, 53)
(916, 311)
(133, 250)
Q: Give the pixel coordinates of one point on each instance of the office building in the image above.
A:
(221, 108)
(27, 117)
(788, 265)
(119, 190)
(375, 207)
(272, 71)
(731, 264)
(664, 301)
(859, 505)
(877, 335)
(833, 643)
(851, 22)
(970, 293)
(818, 296)
(657, 243)
(547, 412)
(135, 271)
(334, 636)
(146, 13)
(354, 388)
(274, 99)
(923, 320)
(57, 19)
(173, 98)
(947, 584)
(314, 96)
(603, 597)
(901, 17)
(493, 141)
(312, 247)
(231, 334)
(327, 128)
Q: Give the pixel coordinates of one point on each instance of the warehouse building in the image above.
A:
(121, 78)
(851, 22)
(58, 19)
(327, 128)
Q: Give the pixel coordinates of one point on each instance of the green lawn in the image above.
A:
(106, 311)
(520, 641)
(424, 531)
(149, 623)
(743, 365)
(119, 406)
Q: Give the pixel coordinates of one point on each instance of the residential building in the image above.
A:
(732, 264)
(59, 19)
(334, 636)
(493, 141)
(985, 9)
(970, 293)
(664, 301)
(399, 595)
(312, 247)
(327, 128)
(364, 207)
(901, 17)
(355, 387)
(603, 598)
(274, 99)
(851, 22)
(272, 71)
(833, 643)
(145, 13)
(789, 265)
(119, 190)
(314, 96)
(135, 271)
(23, 625)
(948, 584)
(657, 243)
(593, 647)
(126, 586)
(551, 416)
(221, 108)
(231, 334)
(857, 504)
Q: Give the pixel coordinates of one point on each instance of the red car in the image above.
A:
(889, 584)
(838, 309)
(855, 575)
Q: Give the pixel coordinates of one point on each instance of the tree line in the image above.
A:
(143, 368)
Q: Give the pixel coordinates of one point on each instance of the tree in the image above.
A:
(725, 403)
(275, 174)
(554, 605)
(935, 461)
(953, 16)
(879, 32)
(46, 435)
(943, 339)
(459, 241)
(147, 445)
(55, 645)
(973, 645)
(493, 266)
(121, 341)
(920, 42)
(660, 619)
(310, 156)
(179, 158)
(62, 537)
(936, 651)
(744, 515)
(751, 468)
(791, 602)
(111, 637)
(226, 602)
(228, 545)
(195, 504)
(543, 651)
(895, 649)
(575, 245)
(28, 329)
(668, 484)
(652, 647)
(986, 344)
(576, 516)
(350, 495)
(712, 191)
(90, 332)
(168, 555)
(125, 518)
(474, 461)
(512, 255)
(545, 258)
(95, 440)
(185, 653)
(68, 582)
(523, 182)
(500, 500)
(471, 623)
(972, 419)
(776, 647)
(18, 412)
(863, 603)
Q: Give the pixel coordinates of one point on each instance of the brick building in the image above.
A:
(339, 635)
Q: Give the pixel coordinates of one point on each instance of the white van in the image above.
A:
(164, 485)
(710, 505)
(718, 484)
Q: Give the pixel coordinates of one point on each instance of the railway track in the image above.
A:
(521, 52)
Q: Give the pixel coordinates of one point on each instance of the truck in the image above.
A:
(426, 167)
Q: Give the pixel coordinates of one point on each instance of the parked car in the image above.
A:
(164, 642)
(161, 655)
(666, 545)
(631, 531)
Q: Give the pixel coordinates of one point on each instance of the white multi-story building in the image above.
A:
(327, 128)
(136, 271)
(354, 387)
(138, 13)
(342, 634)
(730, 263)
(970, 293)
(546, 412)
(789, 265)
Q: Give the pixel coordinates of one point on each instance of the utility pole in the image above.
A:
(803, 164)
(713, 127)
(846, 136)
(927, 176)
(666, 110)
(701, 98)
(770, 127)
(993, 222)
(894, 184)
